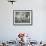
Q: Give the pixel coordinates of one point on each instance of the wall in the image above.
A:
(38, 30)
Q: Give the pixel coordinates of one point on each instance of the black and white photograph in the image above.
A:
(22, 17)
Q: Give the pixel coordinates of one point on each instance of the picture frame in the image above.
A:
(22, 17)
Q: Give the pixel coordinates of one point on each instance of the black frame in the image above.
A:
(24, 24)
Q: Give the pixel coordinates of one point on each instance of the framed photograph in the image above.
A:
(22, 17)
